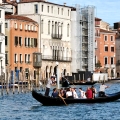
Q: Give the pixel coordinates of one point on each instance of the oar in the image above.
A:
(63, 99)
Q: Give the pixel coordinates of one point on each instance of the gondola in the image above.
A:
(85, 83)
(49, 101)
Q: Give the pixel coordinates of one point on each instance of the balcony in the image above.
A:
(56, 36)
(56, 58)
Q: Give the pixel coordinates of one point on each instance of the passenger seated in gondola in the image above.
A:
(89, 94)
(93, 91)
(61, 92)
(82, 93)
(69, 93)
(74, 93)
(54, 93)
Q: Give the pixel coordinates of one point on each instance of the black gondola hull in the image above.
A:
(49, 101)
(86, 83)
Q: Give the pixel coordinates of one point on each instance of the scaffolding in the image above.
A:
(84, 39)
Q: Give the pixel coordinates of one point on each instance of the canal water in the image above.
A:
(23, 107)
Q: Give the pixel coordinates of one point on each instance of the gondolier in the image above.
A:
(49, 83)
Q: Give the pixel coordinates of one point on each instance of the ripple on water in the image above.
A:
(23, 107)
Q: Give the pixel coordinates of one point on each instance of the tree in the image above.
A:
(98, 64)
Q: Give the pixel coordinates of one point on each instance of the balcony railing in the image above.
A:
(56, 36)
(56, 58)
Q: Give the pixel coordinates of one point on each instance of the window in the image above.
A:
(20, 26)
(106, 48)
(0, 28)
(36, 8)
(105, 38)
(111, 37)
(42, 8)
(16, 40)
(21, 69)
(15, 25)
(42, 26)
(28, 57)
(68, 12)
(0, 47)
(34, 74)
(62, 11)
(20, 58)
(25, 58)
(6, 58)
(106, 60)
(52, 27)
(112, 49)
(48, 27)
(112, 60)
(25, 27)
(95, 44)
(0, 13)
(32, 42)
(48, 9)
(52, 9)
(15, 58)
(20, 41)
(35, 42)
(6, 40)
(26, 43)
(68, 30)
(58, 10)
(61, 28)
(55, 27)
(6, 25)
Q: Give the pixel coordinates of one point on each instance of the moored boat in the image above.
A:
(49, 101)
(83, 83)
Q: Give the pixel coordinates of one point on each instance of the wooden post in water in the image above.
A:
(2, 86)
(14, 79)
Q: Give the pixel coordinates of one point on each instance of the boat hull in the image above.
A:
(86, 83)
(49, 101)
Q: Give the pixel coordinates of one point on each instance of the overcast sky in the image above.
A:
(107, 10)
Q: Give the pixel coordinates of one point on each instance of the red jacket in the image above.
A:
(89, 94)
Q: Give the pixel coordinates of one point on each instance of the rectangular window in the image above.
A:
(58, 11)
(36, 8)
(25, 58)
(52, 27)
(15, 58)
(35, 42)
(28, 57)
(41, 26)
(68, 12)
(112, 49)
(6, 58)
(48, 9)
(21, 69)
(105, 38)
(62, 11)
(26, 42)
(6, 40)
(48, 27)
(6, 25)
(68, 30)
(0, 47)
(112, 60)
(20, 58)
(52, 9)
(16, 40)
(106, 48)
(20, 41)
(0, 28)
(34, 74)
(0, 13)
(42, 8)
(106, 61)
(111, 38)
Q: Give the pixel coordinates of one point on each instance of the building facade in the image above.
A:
(83, 39)
(54, 34)
(105, 52)
(21, 41)
(2, 39)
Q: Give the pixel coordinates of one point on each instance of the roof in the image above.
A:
(18, 17)
(97, 19)
(106, 31)
(29, 1)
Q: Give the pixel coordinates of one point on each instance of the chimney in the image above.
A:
(64, 4)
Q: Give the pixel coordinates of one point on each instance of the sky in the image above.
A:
(107, 10)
